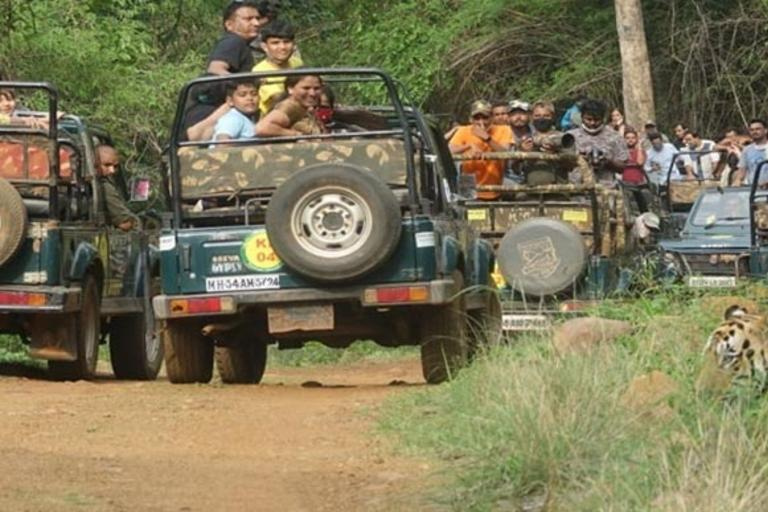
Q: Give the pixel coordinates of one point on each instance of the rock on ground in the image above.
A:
(647, 393)
(580, 334)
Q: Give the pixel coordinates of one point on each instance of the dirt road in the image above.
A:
(281, 446)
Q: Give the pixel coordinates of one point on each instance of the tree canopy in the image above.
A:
(122, 62)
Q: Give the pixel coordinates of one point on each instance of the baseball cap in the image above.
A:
(650, 122)
(651, 220)
(519, 105)
(480, 107)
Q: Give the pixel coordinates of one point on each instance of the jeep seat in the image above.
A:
(208, 171)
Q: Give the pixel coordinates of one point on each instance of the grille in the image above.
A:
(716, 264)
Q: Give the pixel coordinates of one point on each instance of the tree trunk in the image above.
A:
(635, 66)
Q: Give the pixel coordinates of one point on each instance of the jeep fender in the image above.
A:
(86, 256)
(450, 255)
(148, 264)
(483, 261)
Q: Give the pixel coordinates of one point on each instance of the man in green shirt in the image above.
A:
(118, 213)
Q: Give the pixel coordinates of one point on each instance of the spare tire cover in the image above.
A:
(334, 222)
(13, 221)
(542, 256)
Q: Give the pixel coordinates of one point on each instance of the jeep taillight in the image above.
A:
(179, 307)
(396, 294)
(23, 299)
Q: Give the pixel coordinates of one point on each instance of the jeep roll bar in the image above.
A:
(753, 188)
(362, 74)
(673, 163)
(53, 104)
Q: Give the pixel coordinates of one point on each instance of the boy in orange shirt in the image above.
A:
(482, 137)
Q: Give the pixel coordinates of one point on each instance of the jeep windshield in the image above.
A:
(729, 207)
(368, 127)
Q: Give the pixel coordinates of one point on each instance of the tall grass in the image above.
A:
(525, 423)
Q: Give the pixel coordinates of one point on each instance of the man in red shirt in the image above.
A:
(478, 138)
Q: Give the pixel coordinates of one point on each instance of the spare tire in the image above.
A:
(13, 221)
(333, 223)
(542, 256)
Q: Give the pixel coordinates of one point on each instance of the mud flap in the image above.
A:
(51, 337)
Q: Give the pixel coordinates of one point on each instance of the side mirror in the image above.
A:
(140, 189)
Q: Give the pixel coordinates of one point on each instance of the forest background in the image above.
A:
(121, 63)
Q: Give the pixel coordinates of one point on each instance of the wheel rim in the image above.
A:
(331, 222)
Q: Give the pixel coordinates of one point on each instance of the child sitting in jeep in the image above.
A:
(238, 122)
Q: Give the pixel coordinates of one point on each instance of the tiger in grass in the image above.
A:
(739, 346)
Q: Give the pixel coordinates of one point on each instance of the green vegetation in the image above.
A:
(314, 353)
(525, 425)
(122, 62)
(14, 352)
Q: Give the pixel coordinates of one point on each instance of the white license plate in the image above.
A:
(242, 283)
(711, 281)
(300, 318)
(525, 322)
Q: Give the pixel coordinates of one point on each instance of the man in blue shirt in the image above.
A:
(658, 163)
(753, 154)
(238, 122)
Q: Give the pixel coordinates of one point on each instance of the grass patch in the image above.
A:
(524, 423)
(315, 353)
(14, 352)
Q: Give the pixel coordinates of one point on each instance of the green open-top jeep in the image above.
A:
(345, 235)
(560, 246)
(67, 277)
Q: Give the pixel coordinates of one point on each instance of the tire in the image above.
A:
(13, 221)
(243, 363)
(542, 256)
(135, 347)
(87, 332)
(188, 354)
(484, 329)
(443, 337)
(333, 223)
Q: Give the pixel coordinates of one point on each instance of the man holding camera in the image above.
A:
(604, 148)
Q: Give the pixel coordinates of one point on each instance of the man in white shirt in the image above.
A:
(659, 158)
(701, 165)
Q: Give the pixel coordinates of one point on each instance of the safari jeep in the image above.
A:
(560, 246)
(68, 280)
(345, 235)
(724, 240)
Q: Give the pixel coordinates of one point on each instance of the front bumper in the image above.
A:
(23, 299)
(440, 291)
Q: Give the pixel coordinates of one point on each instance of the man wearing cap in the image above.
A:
(482, 137)
(519, 120)
(648, 128)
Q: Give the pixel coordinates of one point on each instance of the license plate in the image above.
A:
(242, 283)
(712, 281)
(525, 322)
(300, 318)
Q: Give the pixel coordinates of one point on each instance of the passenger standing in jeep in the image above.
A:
(482, 137)
(231, 54)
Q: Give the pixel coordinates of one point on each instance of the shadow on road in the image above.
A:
(23, 370)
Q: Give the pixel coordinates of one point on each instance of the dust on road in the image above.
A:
(153, 446)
